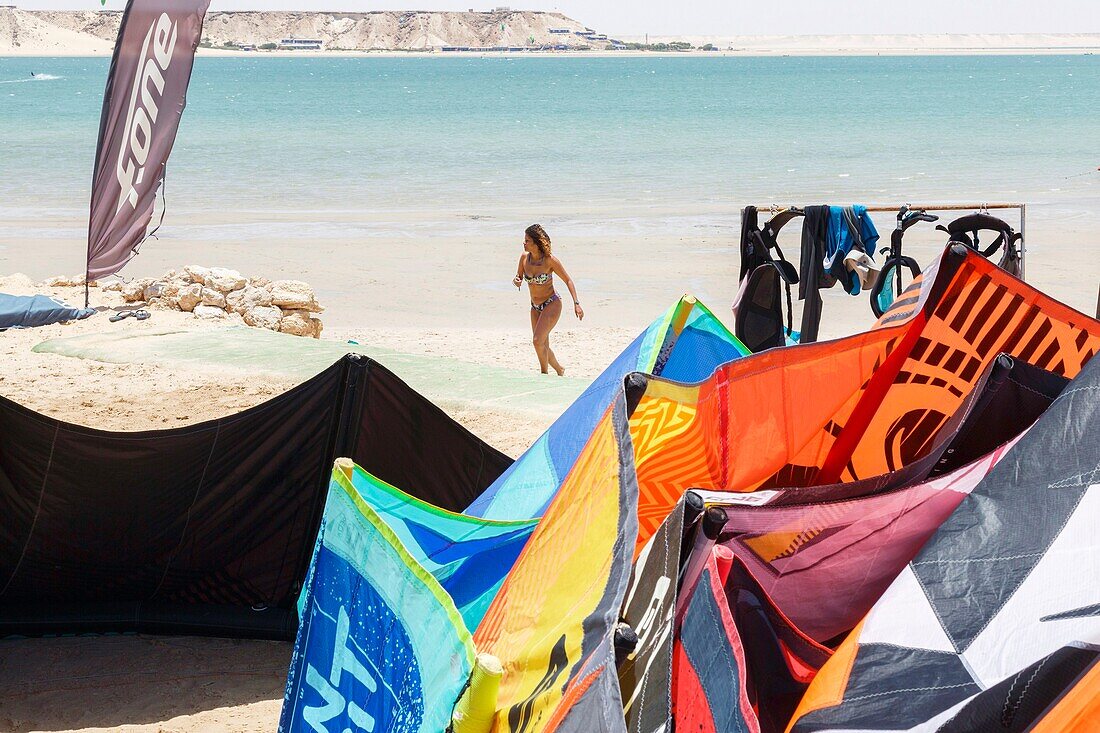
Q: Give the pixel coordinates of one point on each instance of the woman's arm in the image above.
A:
(518, 279)
(556, 267)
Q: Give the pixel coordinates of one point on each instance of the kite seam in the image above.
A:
(902, 647)
(37, 511)
(1077, 480)
(644, 692)
(1023, 386)
(1008, 596)
(935, 610)
(1006, 714)
(908, 689)
(715, 615)
(978, 559)
(1075, 390)
(187, 520)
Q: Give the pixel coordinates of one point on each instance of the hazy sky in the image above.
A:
(738, 17)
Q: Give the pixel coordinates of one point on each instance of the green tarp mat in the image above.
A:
(443, 380)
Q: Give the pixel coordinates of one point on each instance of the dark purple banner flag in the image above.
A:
(142, 105)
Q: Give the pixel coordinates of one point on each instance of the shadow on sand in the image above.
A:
(132, 680)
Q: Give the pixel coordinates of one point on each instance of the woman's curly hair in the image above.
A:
(539, 236)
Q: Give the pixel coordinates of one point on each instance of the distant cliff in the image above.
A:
(57, 31)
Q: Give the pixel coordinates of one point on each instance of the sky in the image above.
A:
(734, 17)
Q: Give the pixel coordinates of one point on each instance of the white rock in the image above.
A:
(154, 289)
(189, 297)
(294, 295)
(247, 298)
(260, 282)
(171, 293)
(300, 323)
(225, 281)
(65, 281)
(134, 290)
(212, 297)
(209, 311)
(196, 274)
(114, 286)
(264, 316)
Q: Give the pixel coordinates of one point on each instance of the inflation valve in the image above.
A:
(478, 703)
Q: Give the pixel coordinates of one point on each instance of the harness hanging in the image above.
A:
(966, 231)
(758, 309)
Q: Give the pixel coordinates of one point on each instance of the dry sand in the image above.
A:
(119, 396)
(141, 683)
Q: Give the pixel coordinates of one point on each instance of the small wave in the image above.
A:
(36, 77)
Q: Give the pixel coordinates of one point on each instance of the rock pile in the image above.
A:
(287, 306)
(63, 281)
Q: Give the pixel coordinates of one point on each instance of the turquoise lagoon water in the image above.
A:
(637, 143)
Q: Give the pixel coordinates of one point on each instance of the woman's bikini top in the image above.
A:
(541, 279)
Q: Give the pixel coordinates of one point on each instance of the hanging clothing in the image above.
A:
(863, 266)
(838, 243)
(849, 228)
(812, 275)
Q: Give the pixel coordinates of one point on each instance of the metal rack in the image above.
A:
(983, 207)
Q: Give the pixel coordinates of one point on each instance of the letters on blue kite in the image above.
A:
(380, 646)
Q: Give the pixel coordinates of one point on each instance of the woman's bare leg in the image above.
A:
(553, 360)
(547, 319)
(534, 330)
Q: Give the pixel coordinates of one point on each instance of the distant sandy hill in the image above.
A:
(83, 32)
(25, 32)
(859, 44)
(88, 32)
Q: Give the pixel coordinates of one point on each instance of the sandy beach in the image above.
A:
(390, 298)
(434, 282)
(144, 683)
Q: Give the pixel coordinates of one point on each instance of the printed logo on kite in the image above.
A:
(360, 671)
(156, 55)
(327, 686)
(521, 715)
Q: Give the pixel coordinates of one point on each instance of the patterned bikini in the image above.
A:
(542, 279)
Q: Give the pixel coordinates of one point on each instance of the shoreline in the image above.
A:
(695, 53)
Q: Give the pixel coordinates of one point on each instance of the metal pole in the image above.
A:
(1023, 243)
(926, 207)
(951, 207)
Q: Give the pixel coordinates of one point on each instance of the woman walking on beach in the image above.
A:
(538, 267)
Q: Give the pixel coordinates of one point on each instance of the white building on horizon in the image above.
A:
(300, 44)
